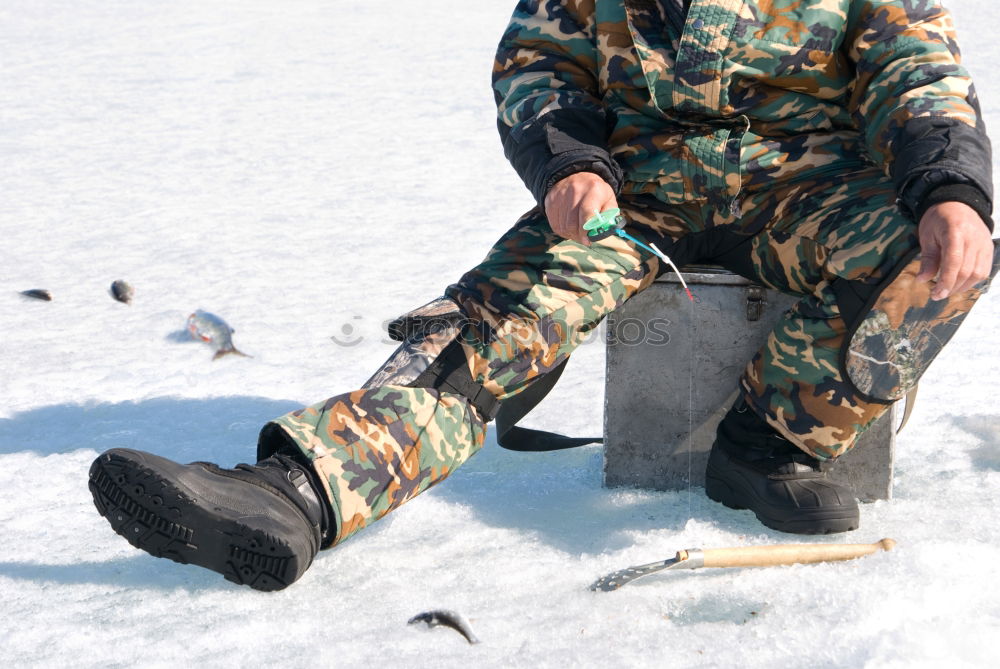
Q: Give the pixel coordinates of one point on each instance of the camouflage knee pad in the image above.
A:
(898, 330)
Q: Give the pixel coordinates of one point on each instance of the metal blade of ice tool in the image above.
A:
(747, 556)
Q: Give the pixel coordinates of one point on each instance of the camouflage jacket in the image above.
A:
(742, 93)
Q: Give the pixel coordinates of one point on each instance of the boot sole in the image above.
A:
(830, 522)
(155, 515)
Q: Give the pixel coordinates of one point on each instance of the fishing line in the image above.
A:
(611, 222)
(691, 353)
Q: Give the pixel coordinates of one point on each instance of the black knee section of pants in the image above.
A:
(449, 372)
(431, 355)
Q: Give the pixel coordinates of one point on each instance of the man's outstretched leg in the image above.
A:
(324, 472)
(330, 469)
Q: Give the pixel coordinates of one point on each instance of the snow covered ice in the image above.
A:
(308, 170)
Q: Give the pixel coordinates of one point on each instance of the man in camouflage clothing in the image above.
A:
(832, 149)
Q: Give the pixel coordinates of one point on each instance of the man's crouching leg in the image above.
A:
(799, 413)
(323, 472)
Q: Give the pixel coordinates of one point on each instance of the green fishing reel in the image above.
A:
(603, 224)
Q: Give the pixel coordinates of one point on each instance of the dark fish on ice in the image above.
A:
(214, 331)
(446, 618)
(38, 294)
(122, 291)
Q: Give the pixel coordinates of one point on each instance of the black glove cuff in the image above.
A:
(598, 167)
(965, 193)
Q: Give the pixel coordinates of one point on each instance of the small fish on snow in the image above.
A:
(122, 291)
(446, 618)
(212, 330)
(38, 294)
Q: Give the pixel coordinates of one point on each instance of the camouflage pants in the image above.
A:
(536, 296)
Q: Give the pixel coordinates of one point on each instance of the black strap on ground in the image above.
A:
(513, 409)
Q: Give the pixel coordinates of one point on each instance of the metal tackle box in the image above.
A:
(672, 372)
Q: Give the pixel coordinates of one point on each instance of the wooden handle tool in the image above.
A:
(747, 556)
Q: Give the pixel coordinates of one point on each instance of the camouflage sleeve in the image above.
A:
(549, 113)
(916, 103)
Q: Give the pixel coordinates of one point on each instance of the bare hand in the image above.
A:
(572, 201)
(955, 246)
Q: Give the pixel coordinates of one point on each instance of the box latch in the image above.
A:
(756, 299)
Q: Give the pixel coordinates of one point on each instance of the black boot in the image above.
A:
(258, 525)
(752, 467)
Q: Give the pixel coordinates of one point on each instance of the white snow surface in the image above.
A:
(309, 170)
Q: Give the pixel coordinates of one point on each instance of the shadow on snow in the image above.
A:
(130, 573)
(223, 430)
(987, 428)
(557, 496)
